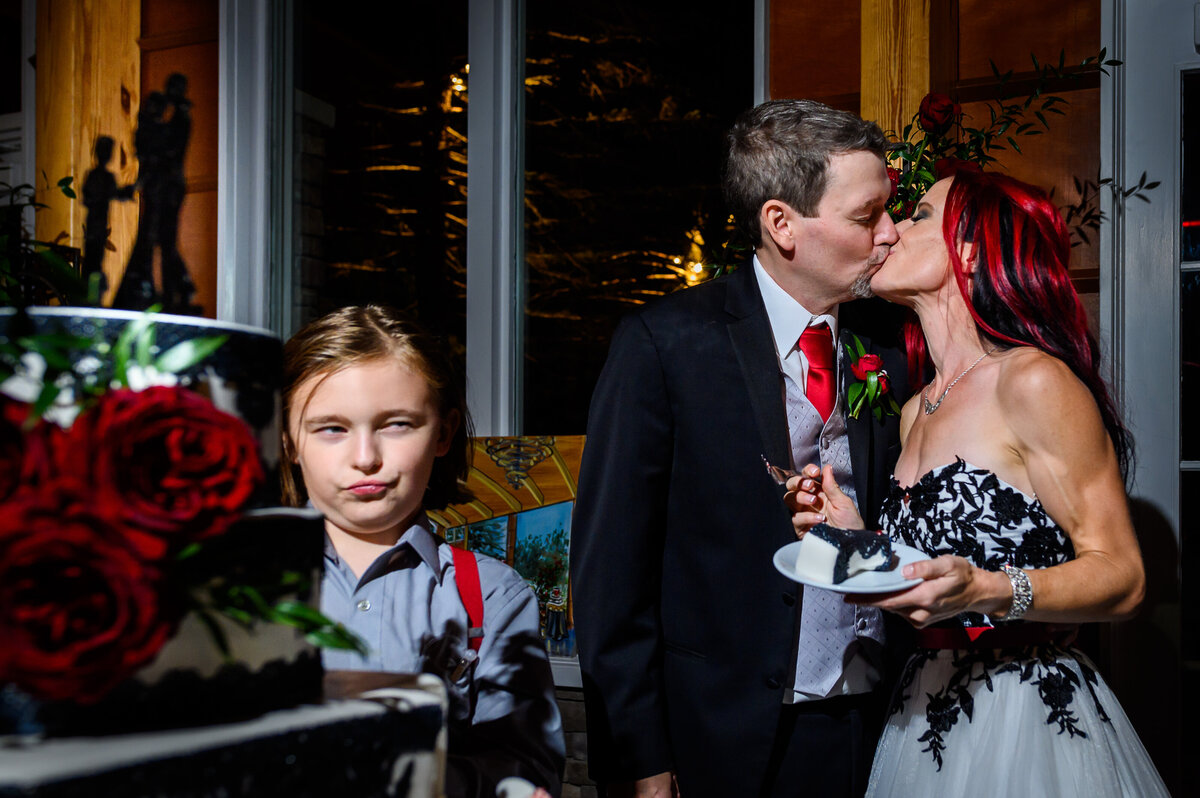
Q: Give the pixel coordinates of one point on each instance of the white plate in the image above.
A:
(866, 582)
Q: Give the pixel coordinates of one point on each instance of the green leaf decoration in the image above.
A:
(256, 599)
(144, 345)
(123, 348)
(215, 632)
(241, 617)
(857, 404)
(45, 398)
(300, 615)
(48, 349)
(186, 354)
(293, 580)
(855, 392)
(123, 351)
(337, 636)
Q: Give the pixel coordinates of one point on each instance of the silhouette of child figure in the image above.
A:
(99, 190)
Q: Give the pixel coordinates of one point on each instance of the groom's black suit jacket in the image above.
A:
(685, 629)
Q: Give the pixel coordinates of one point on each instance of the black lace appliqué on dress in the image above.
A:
(967, 511)
(1041, 667)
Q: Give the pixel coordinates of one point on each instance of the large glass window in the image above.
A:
(625, 108)
(10, 56)
(626, 105)
(1189, 377)
(380, 161)
(1189, 246)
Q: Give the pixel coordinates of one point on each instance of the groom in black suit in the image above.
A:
(706, 672)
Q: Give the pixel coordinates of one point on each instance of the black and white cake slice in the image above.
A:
(832, 555)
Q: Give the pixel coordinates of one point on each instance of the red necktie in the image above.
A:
(817, 345)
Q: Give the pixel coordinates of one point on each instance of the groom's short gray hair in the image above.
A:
(781, 150)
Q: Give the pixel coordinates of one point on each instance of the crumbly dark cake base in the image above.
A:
(862, 542)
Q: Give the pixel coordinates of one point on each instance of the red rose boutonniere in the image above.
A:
(873, 388)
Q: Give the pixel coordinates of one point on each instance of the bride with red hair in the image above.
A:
(1012, 479)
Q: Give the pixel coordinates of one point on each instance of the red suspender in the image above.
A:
(466, 577)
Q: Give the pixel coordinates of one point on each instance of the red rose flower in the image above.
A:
(894, 177)
(865, 365)
(937, 112)
(81, 609)
(181, 468)
(885, 383)
(12, 445)
(25, 456)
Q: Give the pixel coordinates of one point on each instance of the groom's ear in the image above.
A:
(777, 220)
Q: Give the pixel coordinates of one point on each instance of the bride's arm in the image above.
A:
(1073, 470)
(1059, 436)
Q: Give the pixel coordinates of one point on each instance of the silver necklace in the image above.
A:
(929, 408)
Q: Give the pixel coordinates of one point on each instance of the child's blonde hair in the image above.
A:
(359, 334)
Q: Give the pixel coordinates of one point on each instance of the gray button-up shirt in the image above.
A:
(407, 608)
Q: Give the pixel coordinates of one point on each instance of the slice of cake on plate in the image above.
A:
(831, 555)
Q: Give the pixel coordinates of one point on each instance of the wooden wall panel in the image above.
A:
(199, 63)
(57, 114)
(895, 60)
(182, 36)
(162, 17)
(198, 244)
(1070, 150)
(88, 85)
(815, 52)
(1008, 32)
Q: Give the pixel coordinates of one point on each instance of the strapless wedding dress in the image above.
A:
(1030, 719)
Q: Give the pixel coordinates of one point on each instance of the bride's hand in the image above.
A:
(813, 503)
(952, 585)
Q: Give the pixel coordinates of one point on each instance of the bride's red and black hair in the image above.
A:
(1021, 293)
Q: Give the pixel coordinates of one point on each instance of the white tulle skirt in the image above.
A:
(1009, 723)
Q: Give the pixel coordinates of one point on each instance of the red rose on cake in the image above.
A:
(81, 607)
(26, 457)
(179, 468)
(12, 446)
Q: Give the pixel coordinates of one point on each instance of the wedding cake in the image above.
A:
(148, 578)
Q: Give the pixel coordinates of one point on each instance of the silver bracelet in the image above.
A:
(1022, 591)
